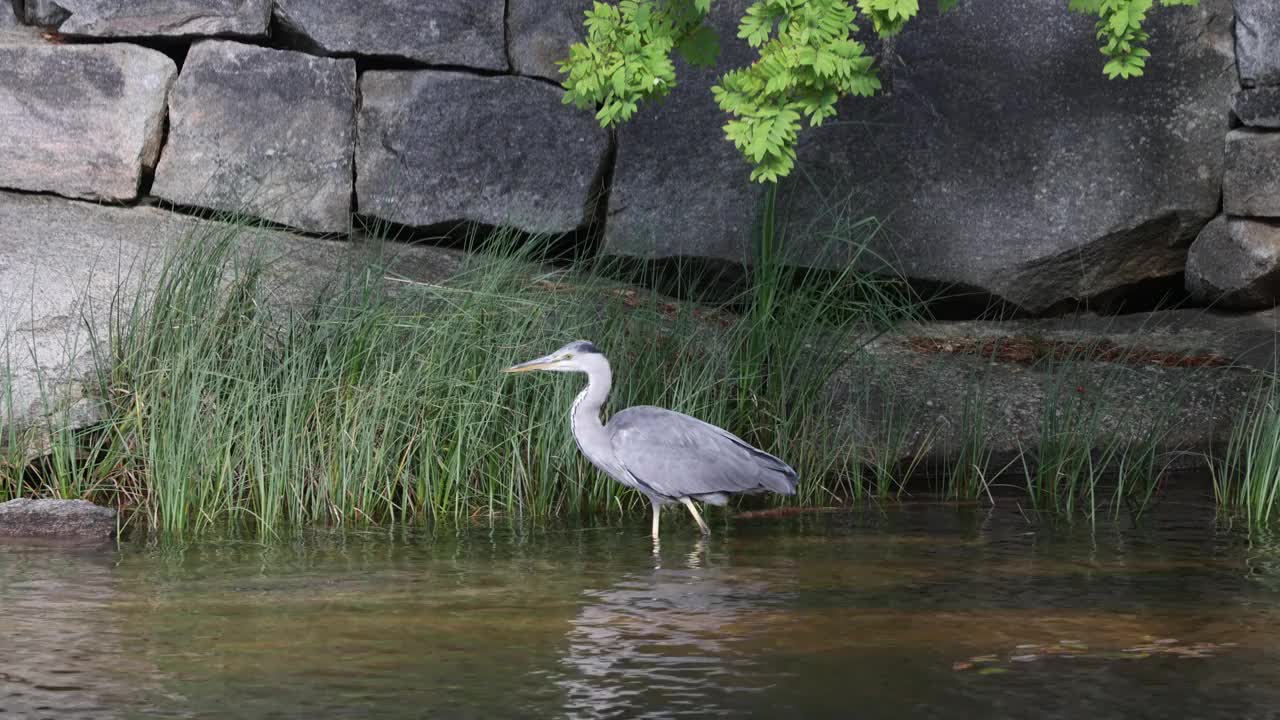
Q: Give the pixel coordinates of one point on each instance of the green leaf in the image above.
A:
(807, 60)
(700, 47)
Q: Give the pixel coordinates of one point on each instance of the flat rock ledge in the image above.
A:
(56, 519)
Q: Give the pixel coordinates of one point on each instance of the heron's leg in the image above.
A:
(657, 509)
(694, 509)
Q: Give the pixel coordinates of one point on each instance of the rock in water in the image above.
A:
(270, 133)
(1235, 263)
(61, 519)
(438, 32)
(443, 147)
(1258, 42)
(83, 121)
(155, 18)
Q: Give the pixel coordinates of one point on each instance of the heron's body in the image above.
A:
(668, 456)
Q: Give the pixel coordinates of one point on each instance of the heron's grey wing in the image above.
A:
(677, 456)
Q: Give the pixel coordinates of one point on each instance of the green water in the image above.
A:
(862, 614)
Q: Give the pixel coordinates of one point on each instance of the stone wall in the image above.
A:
(1012, 168)
(1235, 262)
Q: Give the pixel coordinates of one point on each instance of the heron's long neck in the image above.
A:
(585, 416)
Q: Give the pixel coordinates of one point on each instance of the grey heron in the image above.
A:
(668, 456)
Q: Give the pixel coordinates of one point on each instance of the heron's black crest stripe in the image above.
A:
(586, 347)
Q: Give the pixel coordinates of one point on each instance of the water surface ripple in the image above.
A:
(868, 614)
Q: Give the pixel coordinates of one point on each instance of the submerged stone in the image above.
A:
(61, 519)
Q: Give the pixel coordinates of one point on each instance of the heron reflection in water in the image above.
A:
(693, 637)
(668, 456)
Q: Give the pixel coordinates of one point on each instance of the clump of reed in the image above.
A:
(378, 402)
(1246, 477)
(1094, 450)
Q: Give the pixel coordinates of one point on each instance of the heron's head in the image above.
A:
(577, 356)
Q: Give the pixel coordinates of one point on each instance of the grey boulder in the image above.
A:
(439, 32)
(154, 18)
(83, 121)
(1016, 170)
(59, 519)
(1258, 107)
(61, 265)
(679, 187)
(1251, 184)
(540, 34)
(442, 147)
(1258, 42)
(1024, 173)
(1235, 263)
(268, 133)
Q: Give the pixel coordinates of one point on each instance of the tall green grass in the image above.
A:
(1096, 453)
(1095, 448)
(1247, 477)
(970, 473)
(377, 401)
(235, 399)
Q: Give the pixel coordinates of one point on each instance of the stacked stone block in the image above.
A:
(1235, 261)
(1039, 186)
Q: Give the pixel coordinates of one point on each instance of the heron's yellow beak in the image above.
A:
(541, 363)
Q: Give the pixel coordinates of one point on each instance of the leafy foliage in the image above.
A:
(809, 60)
(626, 58)
(1120, 29)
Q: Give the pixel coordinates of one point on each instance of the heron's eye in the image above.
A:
(568, 356)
